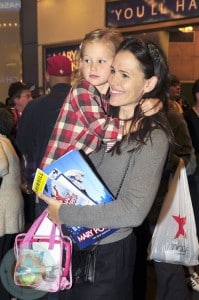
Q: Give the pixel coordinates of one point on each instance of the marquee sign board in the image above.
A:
(140, 12)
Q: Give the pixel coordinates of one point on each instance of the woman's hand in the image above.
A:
(53, 208)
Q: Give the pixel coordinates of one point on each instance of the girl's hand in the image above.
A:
(151, 106)
(53, 208)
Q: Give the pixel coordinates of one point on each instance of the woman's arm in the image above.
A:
(136, 195)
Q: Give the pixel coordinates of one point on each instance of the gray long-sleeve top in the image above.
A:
(136, 195)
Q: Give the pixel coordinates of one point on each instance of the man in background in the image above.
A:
(19, 95)
(39, 117)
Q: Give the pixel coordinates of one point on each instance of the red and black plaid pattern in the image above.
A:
(82, 124)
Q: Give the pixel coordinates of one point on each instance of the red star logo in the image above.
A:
(181, 222)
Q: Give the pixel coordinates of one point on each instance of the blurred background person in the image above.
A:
(19, 95)
(175, 95)
(192, 118)
(12, 203)
(37, 122)
(40, 115)
(171, 278)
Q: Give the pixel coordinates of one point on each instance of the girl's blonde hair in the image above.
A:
(110, 36)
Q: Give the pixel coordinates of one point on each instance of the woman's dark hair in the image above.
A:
(7, 122)
(195, 89)
(153, 63)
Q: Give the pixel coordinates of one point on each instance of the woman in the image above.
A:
(11, 199)
(132, 171)
(11, 209)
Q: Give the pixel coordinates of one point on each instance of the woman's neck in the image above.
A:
(126, 112)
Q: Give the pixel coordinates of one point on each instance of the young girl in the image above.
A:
(83, 122)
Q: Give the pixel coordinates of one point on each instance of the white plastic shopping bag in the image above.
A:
(174, 239)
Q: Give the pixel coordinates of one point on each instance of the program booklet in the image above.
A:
(71, 180)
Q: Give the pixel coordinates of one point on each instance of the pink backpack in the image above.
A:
(43, 257)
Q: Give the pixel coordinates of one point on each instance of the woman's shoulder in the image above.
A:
(159, 134)
(6, 144)
(158, 140)
(4, 140)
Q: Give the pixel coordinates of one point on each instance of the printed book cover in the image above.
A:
(71, 180)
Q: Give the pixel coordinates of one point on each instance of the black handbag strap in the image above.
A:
(124, 176)
(121, 183)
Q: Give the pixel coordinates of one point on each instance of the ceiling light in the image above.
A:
(186, 29)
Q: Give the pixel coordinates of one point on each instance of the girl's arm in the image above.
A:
(86, 100)
(151, 106)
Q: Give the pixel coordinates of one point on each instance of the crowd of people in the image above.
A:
(124, 111)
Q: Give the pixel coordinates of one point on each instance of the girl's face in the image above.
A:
(96, 64)
(127, 83)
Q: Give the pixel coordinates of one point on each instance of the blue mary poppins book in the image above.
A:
(71, 180)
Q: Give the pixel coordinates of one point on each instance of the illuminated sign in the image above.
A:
(69, 50)
(10, 5)
(138, 12)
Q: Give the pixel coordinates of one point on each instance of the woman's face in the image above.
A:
(127, 82)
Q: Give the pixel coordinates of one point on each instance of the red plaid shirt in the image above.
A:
(82, 124)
